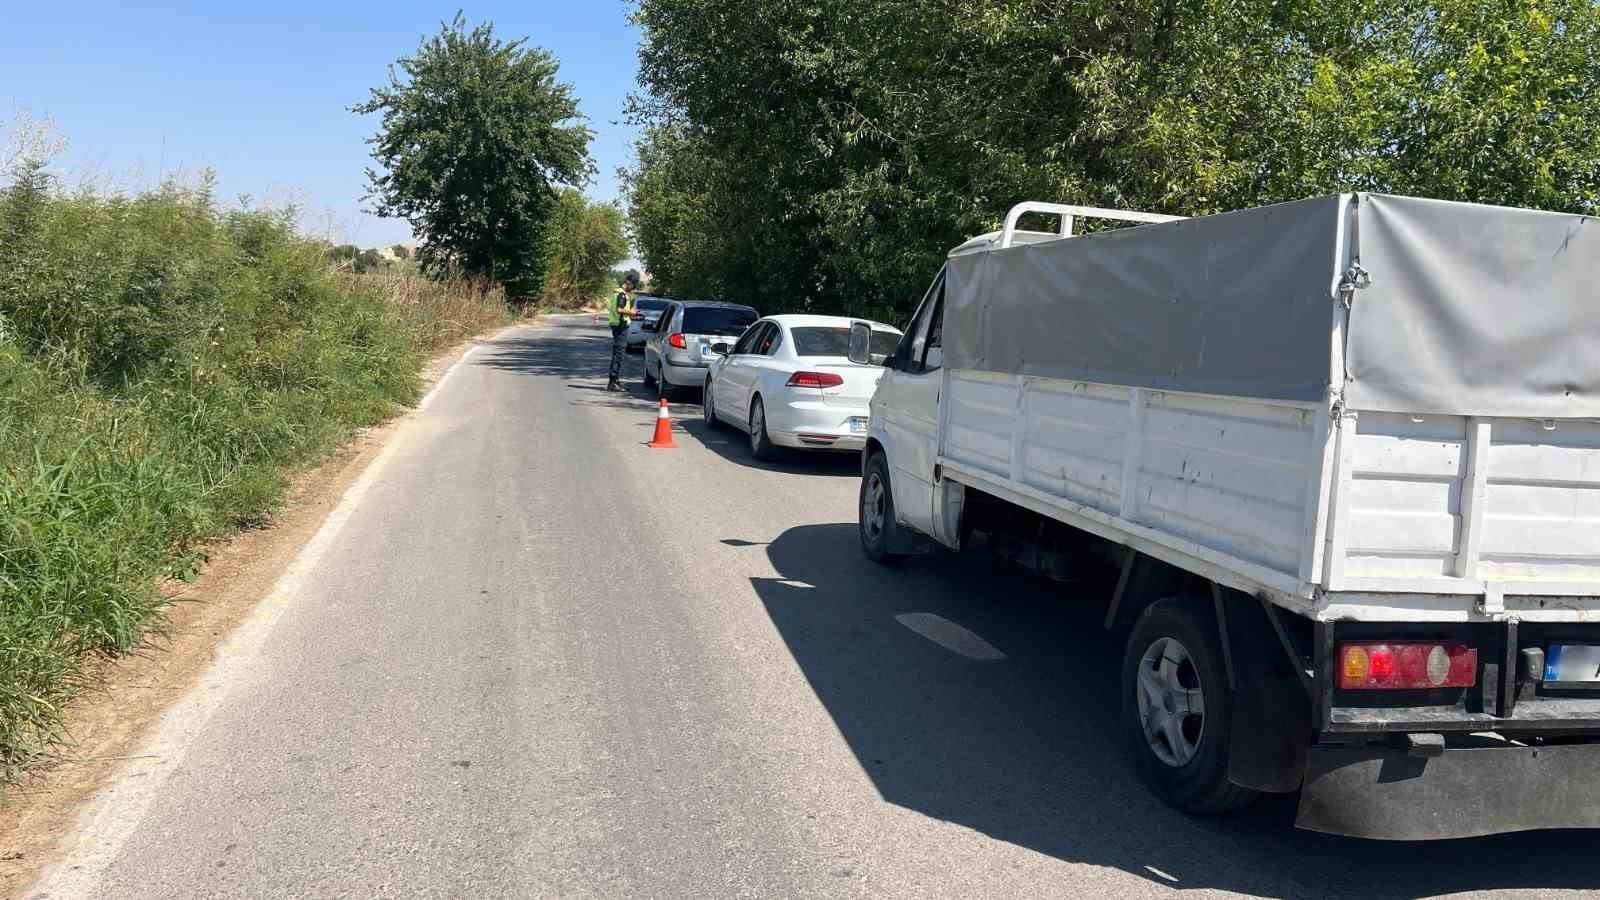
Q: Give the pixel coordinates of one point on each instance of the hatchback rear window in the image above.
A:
(717, 320)
(819, 341)
(647, 304)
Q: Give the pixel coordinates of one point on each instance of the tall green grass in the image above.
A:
(164, 365)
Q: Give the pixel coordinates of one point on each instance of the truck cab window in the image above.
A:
(909, 356)
(933, 352)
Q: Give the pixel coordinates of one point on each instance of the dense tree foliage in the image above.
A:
(474, 140)
(585, 240)
(823, 154)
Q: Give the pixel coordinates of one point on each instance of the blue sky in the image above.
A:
(260, 92)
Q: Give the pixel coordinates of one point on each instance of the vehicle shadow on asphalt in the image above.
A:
(989, 700)
(733, 446)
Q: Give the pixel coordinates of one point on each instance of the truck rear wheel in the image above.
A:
(876, 511)
(1177, 709)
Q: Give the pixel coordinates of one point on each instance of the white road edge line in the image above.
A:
(112, 815)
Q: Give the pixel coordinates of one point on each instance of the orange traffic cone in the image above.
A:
(663, 438)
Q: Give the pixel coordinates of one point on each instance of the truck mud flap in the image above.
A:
(1466, 792)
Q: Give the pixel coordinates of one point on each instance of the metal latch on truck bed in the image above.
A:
(1494, 598)
(1355, 279)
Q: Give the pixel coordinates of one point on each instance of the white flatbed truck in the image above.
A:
(1342, 460)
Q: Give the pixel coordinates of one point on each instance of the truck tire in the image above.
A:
(875, 512)
(1177, 709)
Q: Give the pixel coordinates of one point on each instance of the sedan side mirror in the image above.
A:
(860, 343)
(721, 348)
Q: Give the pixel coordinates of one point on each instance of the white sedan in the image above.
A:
(789, 383)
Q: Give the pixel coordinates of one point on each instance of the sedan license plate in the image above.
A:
(858, 424)
(1573, 664)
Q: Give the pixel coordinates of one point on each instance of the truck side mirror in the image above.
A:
(860, 343)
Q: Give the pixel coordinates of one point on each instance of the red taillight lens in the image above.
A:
(815, 380)
(676, 340)
(1410, 666)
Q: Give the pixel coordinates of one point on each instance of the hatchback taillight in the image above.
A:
(815, 380)
(1406, 666)
(676, 340)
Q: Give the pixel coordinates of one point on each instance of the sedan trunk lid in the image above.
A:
(859, 381)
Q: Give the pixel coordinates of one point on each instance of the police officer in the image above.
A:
(619, 313)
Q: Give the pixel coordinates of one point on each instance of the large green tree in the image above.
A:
(476, 135)
(586, 239)
(827, 152)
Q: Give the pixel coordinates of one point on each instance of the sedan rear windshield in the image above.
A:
(820, 341)
(717, 320)
(646, 304)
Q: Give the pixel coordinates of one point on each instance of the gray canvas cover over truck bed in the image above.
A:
(1470, 310)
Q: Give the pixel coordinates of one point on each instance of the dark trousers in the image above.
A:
(619, 346)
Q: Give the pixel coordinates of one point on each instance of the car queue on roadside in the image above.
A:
(785, 381)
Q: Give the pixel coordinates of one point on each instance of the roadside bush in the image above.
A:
(164, 365)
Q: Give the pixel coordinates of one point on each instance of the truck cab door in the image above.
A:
(907, 401)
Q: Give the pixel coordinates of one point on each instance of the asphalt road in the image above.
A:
(529, 656)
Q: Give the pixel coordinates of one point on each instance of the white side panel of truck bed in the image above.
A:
(1424, 517)
(1229, 476)
(1448, 502)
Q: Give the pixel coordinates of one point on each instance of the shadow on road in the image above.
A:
(733, 445)
(576, 352)
(989, 701)
(579, 353)
(563, 349)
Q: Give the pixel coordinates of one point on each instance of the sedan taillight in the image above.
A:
(676, 340)
(1406, 666)
(815, 380)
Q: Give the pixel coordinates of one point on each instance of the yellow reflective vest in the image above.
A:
(621, 309)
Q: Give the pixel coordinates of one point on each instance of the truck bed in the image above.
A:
(1364, 407)
(1353, 514)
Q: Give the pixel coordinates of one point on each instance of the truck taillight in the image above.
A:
(1408, 666)
(676, 340)
(815, 380)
